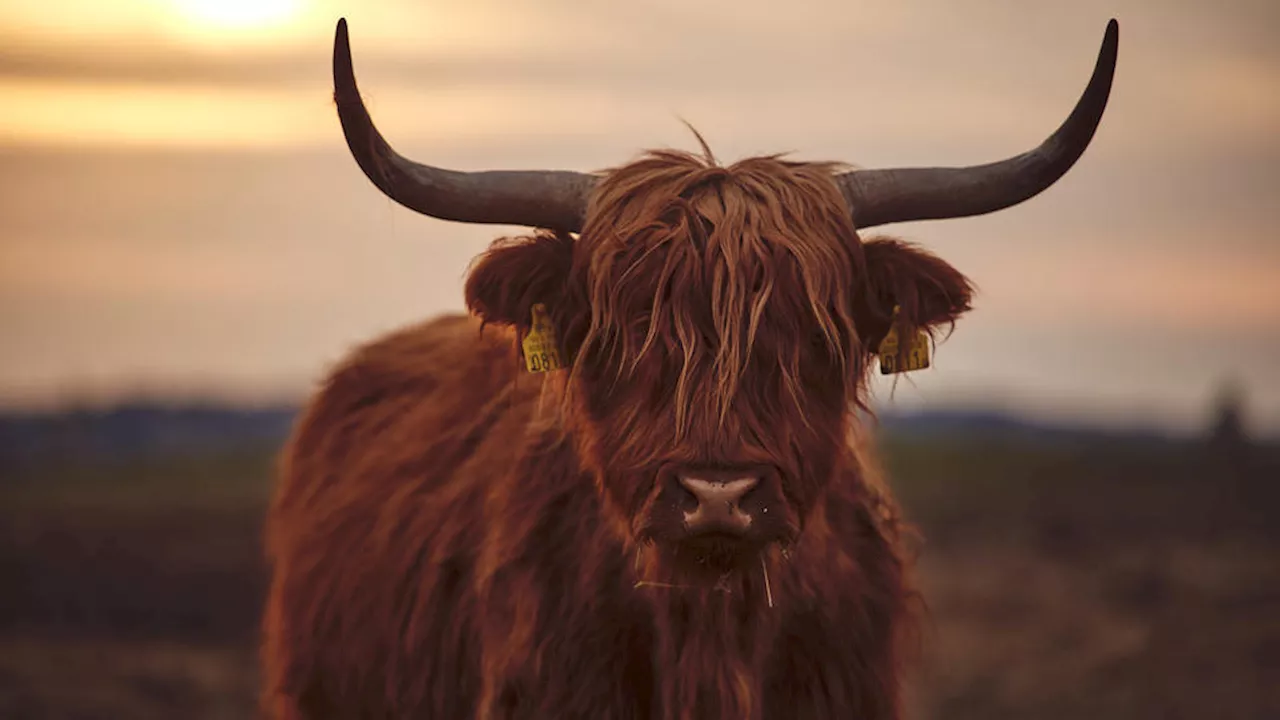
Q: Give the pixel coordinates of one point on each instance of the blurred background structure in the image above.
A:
(185, 246)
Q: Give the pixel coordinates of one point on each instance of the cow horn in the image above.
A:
(877, 197)
(555, 200)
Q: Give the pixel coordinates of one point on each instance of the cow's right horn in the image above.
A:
(551, 199)
(877, 197)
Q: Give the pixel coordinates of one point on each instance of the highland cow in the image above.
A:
(676, 516)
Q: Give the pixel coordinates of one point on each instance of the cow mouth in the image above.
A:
(716, 542)
(711, 555)
(711, 562)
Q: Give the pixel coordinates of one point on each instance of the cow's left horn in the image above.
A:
(877, 197)
(554, 200)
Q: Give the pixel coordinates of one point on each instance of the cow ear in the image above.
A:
(927, 291)
(514, 274)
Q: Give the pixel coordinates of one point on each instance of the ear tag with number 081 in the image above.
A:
(541, 351)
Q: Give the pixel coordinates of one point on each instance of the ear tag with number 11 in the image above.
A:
(894, 358)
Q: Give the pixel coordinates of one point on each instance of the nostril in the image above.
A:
(685, 498)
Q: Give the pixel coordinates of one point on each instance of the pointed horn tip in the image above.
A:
(1110, 41)
(1108, 53)
(341, 43)
(344, 80)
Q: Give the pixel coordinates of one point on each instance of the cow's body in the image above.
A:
(426, 567)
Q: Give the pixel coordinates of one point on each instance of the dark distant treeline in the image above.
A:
(133, 429)
(149, 428)
(993, 423)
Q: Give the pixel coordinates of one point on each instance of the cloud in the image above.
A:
(902, 83)
(1110, 281)
(153, 65)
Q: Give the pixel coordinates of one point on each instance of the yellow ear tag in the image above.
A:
(541, 351)
(897, 359)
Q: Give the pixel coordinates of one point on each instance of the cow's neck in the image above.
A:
(711, 644)
(842, 595)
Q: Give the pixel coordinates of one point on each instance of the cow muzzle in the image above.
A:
(718, 501)
(724, 501)
(709, 519)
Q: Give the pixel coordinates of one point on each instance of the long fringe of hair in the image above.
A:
(672, 230)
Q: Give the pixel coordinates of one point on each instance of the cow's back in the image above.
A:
(377, 520)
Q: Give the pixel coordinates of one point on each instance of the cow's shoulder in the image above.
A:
(428, 373)
(452, 354)
(408, 412)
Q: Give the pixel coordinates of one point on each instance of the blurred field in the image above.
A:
(1096, 578)
(1068, 576)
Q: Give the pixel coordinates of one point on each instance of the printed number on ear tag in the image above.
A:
(541, 352)
(894, 358)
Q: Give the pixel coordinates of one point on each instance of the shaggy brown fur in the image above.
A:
(453, 538)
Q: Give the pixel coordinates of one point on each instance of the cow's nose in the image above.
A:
(719, 498)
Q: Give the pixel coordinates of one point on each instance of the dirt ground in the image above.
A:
(1065, 579)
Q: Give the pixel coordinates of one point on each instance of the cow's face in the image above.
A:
(720, 322)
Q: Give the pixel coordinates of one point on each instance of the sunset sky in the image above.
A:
(178, 212)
